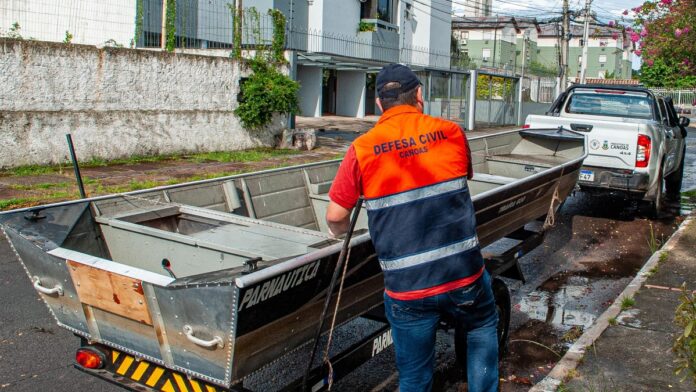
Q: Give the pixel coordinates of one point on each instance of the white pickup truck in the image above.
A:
(637, 142)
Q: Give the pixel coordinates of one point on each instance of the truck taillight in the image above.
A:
(643, 153)
(526, 126)
(90, 358)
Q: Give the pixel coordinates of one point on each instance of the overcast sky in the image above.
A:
(545, 9)
(605, 9)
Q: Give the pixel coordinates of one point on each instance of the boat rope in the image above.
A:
(551, 215)
(327, 360)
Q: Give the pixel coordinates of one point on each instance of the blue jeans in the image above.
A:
(415, 322)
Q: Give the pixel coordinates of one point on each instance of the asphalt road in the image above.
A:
(585, 262)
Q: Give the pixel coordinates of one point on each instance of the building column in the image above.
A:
(350, 93)
(310, 95)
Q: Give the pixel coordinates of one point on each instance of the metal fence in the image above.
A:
(684, 99)
(495, 100)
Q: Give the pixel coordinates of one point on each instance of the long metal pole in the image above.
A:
(495, 39)
(521, 90)
(163, 41)
(329, 290)
(565, 45)
(586, 44)
(76, 166)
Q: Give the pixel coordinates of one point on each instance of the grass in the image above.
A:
(654, 243)
(572, 334)
(60, 190)
(14, 202)
(663, 257)
(690, 194)
(612, 321)
(627, 302)
(251, 155)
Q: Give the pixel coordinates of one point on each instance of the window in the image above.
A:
(385, 10)
(378, 9)
(579, 59)
(614, 105)
(602, 58)
(486, 55)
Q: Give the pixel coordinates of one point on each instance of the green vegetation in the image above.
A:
(66, 189)
(366, 26)
(14, 202)
(139, 13)
(627, 302)
(654, 243)
(68, 37)
(685, 344)
(572, 334)
(539, 69)
(690, 194)
(170, 26)
(253, 155)
(265, 93)
(13, 32)
(663, 257)
(612, 321)
(242, 156)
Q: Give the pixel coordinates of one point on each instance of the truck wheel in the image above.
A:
(673, 182)
(657, 204)
(502, 304)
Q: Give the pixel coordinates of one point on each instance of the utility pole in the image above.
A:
(585, 44)
(495, 39)
(565, 45)
(163, 41)
(521, 90)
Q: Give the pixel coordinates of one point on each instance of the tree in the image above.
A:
(665, 32)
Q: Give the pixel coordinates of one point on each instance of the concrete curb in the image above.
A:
(576, 352)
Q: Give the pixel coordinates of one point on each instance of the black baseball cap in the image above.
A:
(396, 73)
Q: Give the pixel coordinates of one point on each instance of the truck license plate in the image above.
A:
(586, 175)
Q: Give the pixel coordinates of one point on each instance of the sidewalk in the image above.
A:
(634, 352)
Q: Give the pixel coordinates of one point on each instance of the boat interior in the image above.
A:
(266, 217)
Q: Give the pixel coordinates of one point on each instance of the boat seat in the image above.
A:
(493, 179)
(536, 160)
(320, 188)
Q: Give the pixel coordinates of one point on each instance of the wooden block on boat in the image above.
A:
(111, 292)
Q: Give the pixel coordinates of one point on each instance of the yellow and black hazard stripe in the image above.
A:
(155, 376)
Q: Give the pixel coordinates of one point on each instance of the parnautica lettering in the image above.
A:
(279, 284)
(381, 342)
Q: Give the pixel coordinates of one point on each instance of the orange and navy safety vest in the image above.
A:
(420, 214)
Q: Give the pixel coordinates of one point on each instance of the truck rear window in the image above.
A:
(614, 105)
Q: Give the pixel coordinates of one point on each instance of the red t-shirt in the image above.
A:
(346, 187)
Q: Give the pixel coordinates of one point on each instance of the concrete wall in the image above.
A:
(116, 103)
(351, 100)
(310, 79)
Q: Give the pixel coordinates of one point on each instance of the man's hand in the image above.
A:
(338, 219)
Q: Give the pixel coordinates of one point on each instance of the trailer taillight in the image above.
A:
(643, 152)
(90, 358)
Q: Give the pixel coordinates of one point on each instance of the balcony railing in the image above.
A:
(380, 24)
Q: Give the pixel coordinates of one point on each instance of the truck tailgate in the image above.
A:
(612, 144)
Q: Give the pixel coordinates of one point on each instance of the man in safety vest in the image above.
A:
(412, 169)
